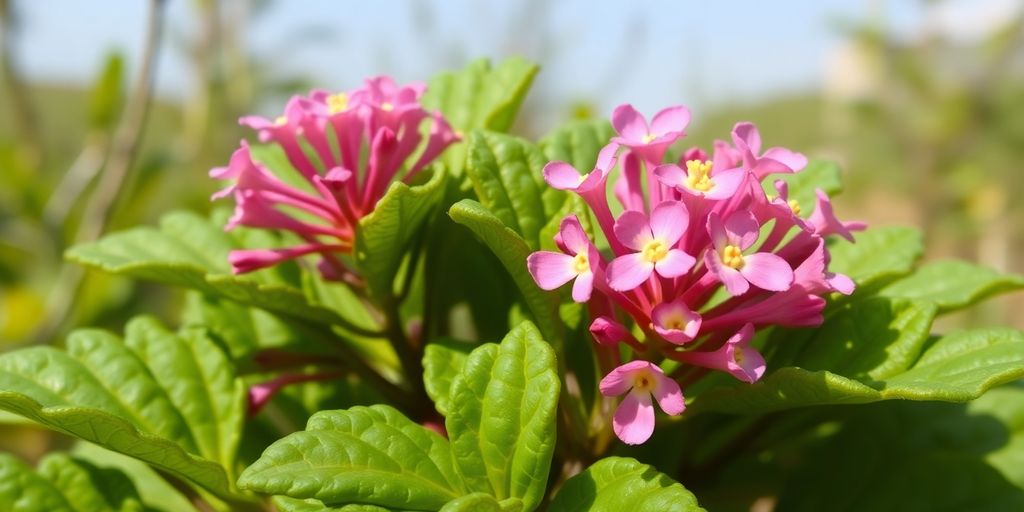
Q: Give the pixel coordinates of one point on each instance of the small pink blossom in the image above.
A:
(644, 382)
(747, 139)
(698, 179)
(654, 241)
(736, 270)
(551, 270)
(735, 357)
(825, 222)
(675, 322)
(650, 141)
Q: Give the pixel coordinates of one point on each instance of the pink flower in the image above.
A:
(650, 141)
(735, 357)
(607, 331)
(825, 222)
(747, 139)
(698, 179)
(348, 146)
(675, 322)
(551, 270)
(642, 380)
(738, 271)
(654, 242)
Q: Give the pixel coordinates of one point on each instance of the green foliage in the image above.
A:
(511, 250)
(443, 360)
(383, 237)
(953, 284)
(502, 416)
(170, 400)
(190, 251)
(501, 423)
(371, 455)
(64, 484)
(918, 457)
(878, 254)
(617, 483)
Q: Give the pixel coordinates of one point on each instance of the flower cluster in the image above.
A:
(699, 258)
(347, 148)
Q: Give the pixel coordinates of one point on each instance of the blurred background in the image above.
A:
(112, 112)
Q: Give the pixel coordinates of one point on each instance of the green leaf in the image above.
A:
(502, 417)
(506, 174)
(953, 284)
(511, 250)
(64, 483)
(880, 253)
(286, 504)
(190, 251)
(482, 502)
(107, 94)
(918, 457)
(384, 235)
(366, 455)
(615, 484)
(578, 143)
(957, 367)
(821, 174)
(479, 97)
(172, 401)
(443, 359)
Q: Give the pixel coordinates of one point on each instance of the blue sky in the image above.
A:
(650, 53)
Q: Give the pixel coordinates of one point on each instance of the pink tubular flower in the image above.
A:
(736, 270)
(348, 147)
(642, 380)
(551, 270)
(735, 357)
(653, 300)
(654, 242)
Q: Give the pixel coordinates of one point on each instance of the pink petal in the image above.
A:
(791, 159)
(573, 236)
(633, 230)
(746, 137)
(671, 119)
(634, 418)
(750, 369)
(734, 282)
(671, 175)
(840, 283)
(629, 123)
(725, 156)
(583, 286)
(248, 260)
(562, 176)
(726, 183)
(675, 264)
(606, 158)
(669, 221)
(742, 229)
(550, 270)
(619, 380)
(719, 237)
(669, 396)
(628, 271)
(767, 271)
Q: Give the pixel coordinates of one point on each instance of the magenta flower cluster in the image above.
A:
(700, 257)
(348, 147)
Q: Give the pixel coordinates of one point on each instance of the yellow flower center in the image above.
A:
(675, 321)
(795, 206)
(580, 263)
(337, 103)
(387, 107)
(644, 381)
(732, 256)
(654, 251)
(280, 121)
(648, 138)
(699, 175)
(737, 354)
